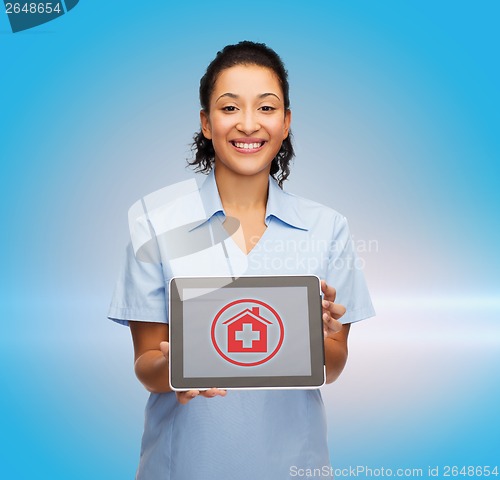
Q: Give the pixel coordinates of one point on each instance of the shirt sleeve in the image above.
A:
(140, 292)
(345, 274)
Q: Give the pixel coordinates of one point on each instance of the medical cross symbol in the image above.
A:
(247, 332)
(247, 335)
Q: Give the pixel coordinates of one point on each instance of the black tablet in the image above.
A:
(246, 332)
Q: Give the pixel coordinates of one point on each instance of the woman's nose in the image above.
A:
(248, 123)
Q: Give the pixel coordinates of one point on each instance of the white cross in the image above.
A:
(247, 335)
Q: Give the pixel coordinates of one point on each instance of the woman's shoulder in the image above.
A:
(311, 211)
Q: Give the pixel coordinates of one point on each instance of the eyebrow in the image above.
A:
(233, 95)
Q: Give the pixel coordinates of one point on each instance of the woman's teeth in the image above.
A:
(248, 146)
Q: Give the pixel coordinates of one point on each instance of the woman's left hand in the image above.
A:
(331, 311)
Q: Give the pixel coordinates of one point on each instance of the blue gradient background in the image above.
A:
(396, 123)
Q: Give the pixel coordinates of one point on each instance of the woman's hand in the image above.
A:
(151, 361)
(331, 311)
(185, 397)
(335, 334)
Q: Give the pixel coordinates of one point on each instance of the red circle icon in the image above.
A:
(247, 336)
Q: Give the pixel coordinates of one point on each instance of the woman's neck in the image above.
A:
(241, 192)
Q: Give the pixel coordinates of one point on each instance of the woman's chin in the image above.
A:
(245, 167)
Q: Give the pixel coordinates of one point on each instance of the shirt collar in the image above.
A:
(283, 205)
(280, 204)
(210, 197)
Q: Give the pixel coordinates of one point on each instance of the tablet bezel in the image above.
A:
(176, 354)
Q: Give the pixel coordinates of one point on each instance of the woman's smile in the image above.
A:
(247, 145)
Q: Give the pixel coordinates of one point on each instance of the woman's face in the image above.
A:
(247, 122)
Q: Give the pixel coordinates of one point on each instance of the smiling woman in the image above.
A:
(244, 146)
(247, 120)
(234, 65)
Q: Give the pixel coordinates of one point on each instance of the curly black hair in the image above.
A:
(243, 53)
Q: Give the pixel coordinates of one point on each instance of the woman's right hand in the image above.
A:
(185, 396)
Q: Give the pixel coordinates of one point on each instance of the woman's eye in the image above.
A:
(267, 108)
(229, 108)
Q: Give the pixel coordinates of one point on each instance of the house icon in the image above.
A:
(247, 332)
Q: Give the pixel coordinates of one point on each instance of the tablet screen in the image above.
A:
(227, 334)
(248, 332)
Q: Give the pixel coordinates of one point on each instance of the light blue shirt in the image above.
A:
(246, 435)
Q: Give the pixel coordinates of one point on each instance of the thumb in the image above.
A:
(165, 347)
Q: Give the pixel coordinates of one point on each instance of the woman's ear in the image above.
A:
(205, 125)
(288, 121)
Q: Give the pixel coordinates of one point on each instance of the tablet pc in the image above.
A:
(246, 332)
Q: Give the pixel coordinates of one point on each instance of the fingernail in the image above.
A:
(325, 303)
